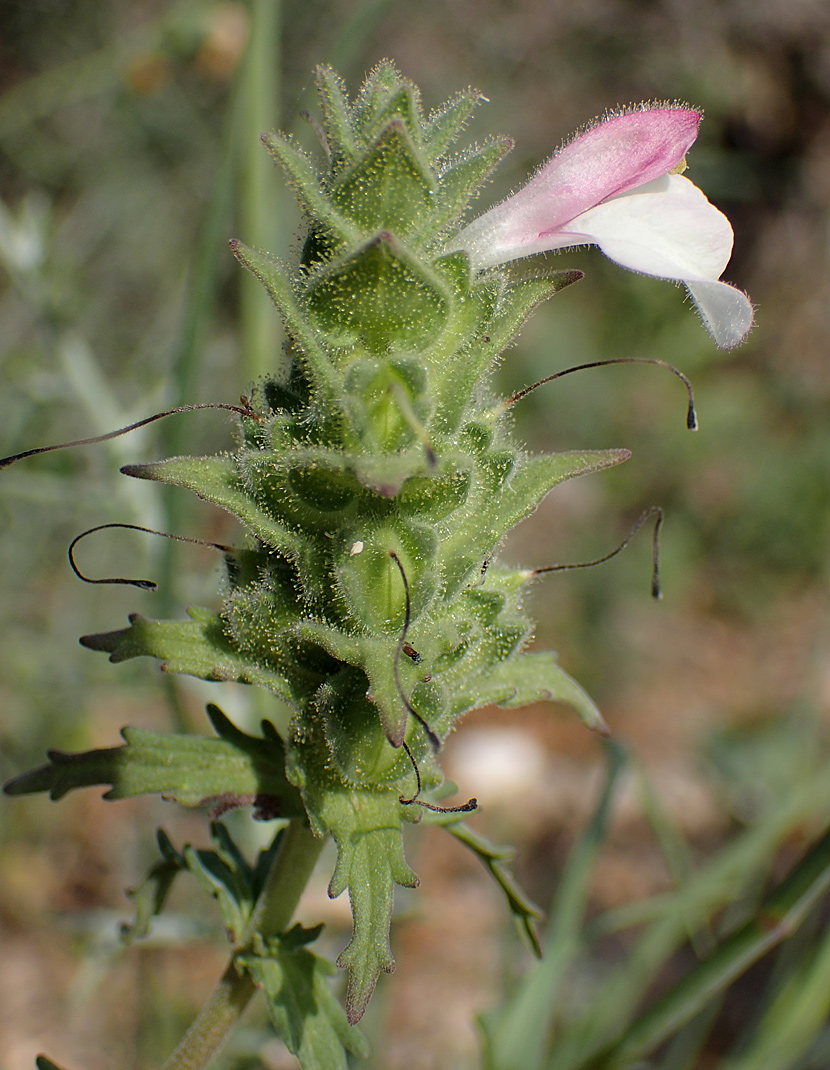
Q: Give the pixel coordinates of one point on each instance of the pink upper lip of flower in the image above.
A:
(615, 186)
(616, 155)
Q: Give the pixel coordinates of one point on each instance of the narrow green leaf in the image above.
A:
(190, 770)
(217, 480)
(516, 1036)
(464, 367)
(390, 98)
(778, 918)
(522, 907)
(707, 891)
(259, 208)
(512, 487)
(369, 866)
(305, 181)
(312, 354)
(227, 884)
(538, 676)
(366, 827)
(198, 647)
(462, 179)
(796, 1015)
(151, 894)
(337, 117)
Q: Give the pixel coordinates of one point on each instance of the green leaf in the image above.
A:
(226, 885)
(305, 181)
(507, 307)
(311, 352)
(42, 1063)
(226, 876)
(302, 1007)
(386, 96)
(460, 181)
(217, 480)
(337, 117)
(536, 677)
(151, 894)
(191, 770)
(369, 863)
(198, 648)
(366, 827)
(223, 873)
(506, 490)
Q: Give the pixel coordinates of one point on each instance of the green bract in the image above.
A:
(376, 479)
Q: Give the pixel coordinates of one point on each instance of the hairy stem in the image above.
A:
(284, 885)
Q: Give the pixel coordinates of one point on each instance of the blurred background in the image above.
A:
(128, 149)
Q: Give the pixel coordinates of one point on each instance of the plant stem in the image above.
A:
(284, 885)
(259, 201)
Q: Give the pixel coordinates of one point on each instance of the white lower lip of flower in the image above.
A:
(726, 312)
(666, 228)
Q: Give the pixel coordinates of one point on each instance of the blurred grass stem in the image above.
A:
(259, 211)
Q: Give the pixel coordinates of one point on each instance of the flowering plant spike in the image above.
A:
(376, 477)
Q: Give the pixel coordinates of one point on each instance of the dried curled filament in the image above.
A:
(244, 409)
(402, 643)
(466, 808)
(691, 413)
(653, 511)
(404, 647)
(143, 585)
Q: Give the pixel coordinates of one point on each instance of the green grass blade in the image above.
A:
(717, 886)
(779, 917)
(259, 218)
(188, 361)
(676, 853)
(684, 1051)
(516, 1037)
(796, 1015)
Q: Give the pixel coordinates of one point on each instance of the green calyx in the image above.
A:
(375, 479)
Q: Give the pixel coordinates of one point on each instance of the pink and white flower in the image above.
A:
(618, 186)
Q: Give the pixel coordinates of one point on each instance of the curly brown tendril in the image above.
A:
(143, 585)
(691, 414)
(435, 742)
(656, 590)
(243, 409)
(467, 808)
(404, 647)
